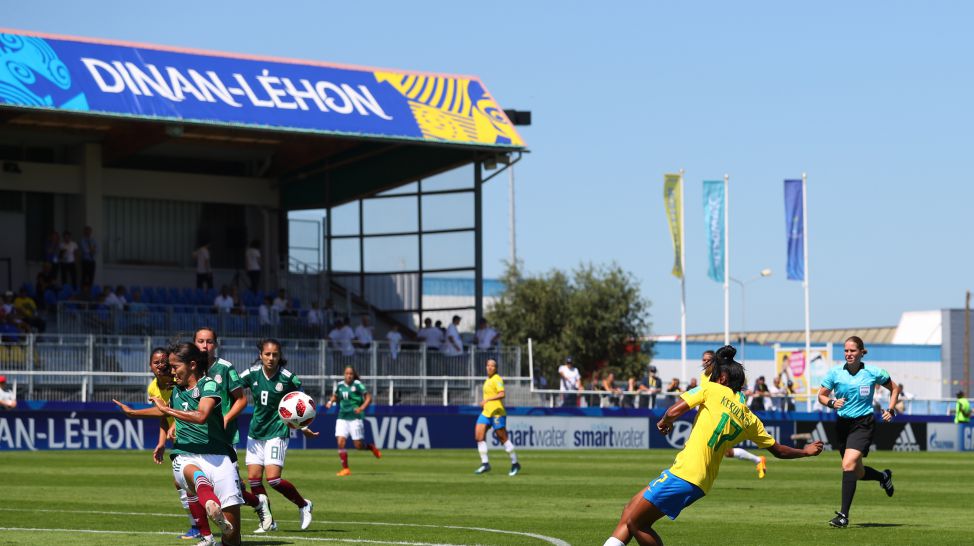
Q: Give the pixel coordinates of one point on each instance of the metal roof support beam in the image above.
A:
(478, 180)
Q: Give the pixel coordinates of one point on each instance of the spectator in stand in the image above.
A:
(341, 337)
(266, 314)
(9, 314)
(363, 334)
(252, 262)
(89, 256)
(116, 299)
(673, 390)
(315, 318)
(571, 383)
(903, 405)
(83, 295)
(46, 280)
(223, 302)
(238, 307)
(282, 305)
(760, 396)
(8, 398)
(486, 336)
(431, 335)
(52, 251)
(204, 269)
(395, 340)
(26, 308)
(612, 394)
(649, 388)
(68, 259)
(454, 343)
(137, 305)
(692, 384)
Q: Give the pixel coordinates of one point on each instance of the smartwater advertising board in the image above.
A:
(541, 432)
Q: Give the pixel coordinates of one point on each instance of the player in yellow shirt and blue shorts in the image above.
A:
(493, 416)
(760, 463)
(722, 419)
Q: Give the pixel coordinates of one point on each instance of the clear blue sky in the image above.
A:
(871, 99)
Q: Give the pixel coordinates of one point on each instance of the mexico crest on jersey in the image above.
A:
(278, 387)
(218, 379)
(195, 393)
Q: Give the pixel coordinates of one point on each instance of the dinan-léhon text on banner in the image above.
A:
(41, 71)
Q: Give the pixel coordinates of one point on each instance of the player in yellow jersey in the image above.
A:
(760, 463)
(722, 419)
(494, 417)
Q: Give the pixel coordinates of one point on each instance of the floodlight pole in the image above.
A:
(510, 213)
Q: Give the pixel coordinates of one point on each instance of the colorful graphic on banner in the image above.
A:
(713, 214)
(790, 364)
(158, 83)
(795, 230)
(674, 210)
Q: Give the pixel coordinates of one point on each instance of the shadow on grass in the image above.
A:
(868, 525)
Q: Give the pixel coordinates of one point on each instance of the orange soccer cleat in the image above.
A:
(762, 468)
(344, 472)
(375, 451)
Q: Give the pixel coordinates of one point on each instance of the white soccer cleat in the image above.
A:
(261, 531)
(263, 510)
(216, 514)
(306, 514)
(205, 541)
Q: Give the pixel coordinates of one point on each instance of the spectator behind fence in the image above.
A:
(68, 259)
(45, 280)
(454, 343)
(137, 305)
(315, 318)
(571, 383)
(486, 336)
(692, 384)
(115, 299)
(252, 262)
(673, 390)
(341, 337)
(204, 269)
(363, 334)
(431, 335)
(266, 313)
(8, 398)
(9, 314)
(89, 256)
(760, 396)
(223, 302)
(649, 388)
(613, 394)
(26, 307)
(395, 340)
(282, 305)
(52, 250)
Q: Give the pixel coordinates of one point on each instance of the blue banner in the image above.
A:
(795, 230)
(50, 72)
(713, 213)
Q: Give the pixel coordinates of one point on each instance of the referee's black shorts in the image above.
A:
(856, 433)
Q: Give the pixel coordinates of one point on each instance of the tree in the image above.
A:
(593, 313)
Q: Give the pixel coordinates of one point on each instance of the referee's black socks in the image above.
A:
(849, 480)
(872, 474)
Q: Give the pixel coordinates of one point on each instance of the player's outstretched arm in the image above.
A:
(784, 452)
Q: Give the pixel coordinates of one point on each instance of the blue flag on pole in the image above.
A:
(713, 212)
(795, 230)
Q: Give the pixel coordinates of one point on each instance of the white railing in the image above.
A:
(91, 367)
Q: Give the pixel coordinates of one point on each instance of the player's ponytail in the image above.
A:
(725, 364)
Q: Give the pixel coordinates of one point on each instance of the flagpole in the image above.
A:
(808, 331)
(683, 289)
(726, 261)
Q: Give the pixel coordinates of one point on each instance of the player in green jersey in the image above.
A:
(233, 402)
(203, 459)
(352, 397)
(267, 440)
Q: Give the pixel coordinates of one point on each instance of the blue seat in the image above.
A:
(50, 298)
(30, 289)
(172, 295)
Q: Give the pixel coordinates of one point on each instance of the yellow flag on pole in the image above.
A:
(674, 211)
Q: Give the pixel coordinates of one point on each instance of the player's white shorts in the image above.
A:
(266, 452)
(353, 427)
(218, 469)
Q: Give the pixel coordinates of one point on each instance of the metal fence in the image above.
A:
(71, 367)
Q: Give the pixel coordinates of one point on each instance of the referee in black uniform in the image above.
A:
(853, 386)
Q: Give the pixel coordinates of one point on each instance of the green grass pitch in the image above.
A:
(433, 497)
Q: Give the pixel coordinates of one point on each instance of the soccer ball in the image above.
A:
(297, 409)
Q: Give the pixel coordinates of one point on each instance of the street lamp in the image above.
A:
(766, 272)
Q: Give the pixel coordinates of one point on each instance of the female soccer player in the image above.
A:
(268, 437)
(232, 403)
(853, 386)
(760, 463)
(353, 398)
(723, 418)
(493, 416)
(202, 456)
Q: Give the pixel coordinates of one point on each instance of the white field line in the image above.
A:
(276, 536)
(543, 538)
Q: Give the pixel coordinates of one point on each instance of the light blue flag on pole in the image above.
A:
(713, 212)
(795, 230)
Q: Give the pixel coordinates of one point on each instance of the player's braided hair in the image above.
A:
(725, 364)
